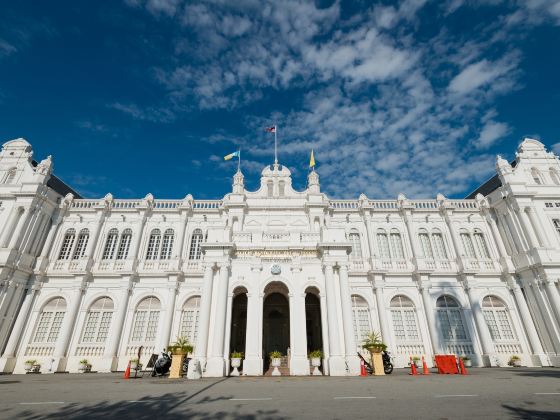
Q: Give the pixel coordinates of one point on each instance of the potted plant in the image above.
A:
(514, 361)
(275, 361)
(134, 364)
(466, 361)
(84, 366)
(29, 364)
(375, 346)
(36, 368)
(181, 347)
(316, 356)
(415, 360)
(236, 357)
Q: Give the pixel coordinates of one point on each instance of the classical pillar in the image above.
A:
(496, 234)
(528, 229)
(513, 232)
(27, 241)
(215, 366)
(536, 223)
(324, 332)
(483, 332)
(337, 365)
(347, 319)
(204, 321)
(137, 237)
(112, 347)
(61, 347)
(253, 362)
(530, 328)
(454, 239)
(9, 227)
(411, 234)
(165, 336)
(21, 224)
(382, 314)
(430, 316)
(553, 297)
(47, 246)
(299, 364)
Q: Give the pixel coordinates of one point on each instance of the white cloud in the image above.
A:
(491, 133)
(152, 114)
(6, 48)
(482, 73)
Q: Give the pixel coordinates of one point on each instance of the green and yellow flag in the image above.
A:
(312, 160)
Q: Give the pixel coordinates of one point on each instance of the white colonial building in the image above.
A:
(278, 269)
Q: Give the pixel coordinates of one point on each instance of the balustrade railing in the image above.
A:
(459, 348)
(89, 350)
(507, 348)
(39, 350)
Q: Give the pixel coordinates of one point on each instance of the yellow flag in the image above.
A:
(312, 160)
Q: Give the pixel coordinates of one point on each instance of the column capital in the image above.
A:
(424, 284)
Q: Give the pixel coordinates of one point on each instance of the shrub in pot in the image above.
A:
(275, 361)
(29, 364)
(181, 347)
(515, 361)
(84, 366)
(316, 356)
(374, 345)
(235, 358)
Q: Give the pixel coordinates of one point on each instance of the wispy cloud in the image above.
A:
(152, 114)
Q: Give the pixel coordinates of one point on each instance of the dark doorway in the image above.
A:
(238, 323)
(276, 325)
(313, 322)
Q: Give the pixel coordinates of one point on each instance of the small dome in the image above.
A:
(276, 170)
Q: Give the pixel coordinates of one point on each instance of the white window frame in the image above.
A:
(98, 322)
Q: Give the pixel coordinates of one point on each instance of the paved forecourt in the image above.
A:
(493, 393)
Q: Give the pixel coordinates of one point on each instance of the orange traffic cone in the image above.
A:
(462, 367)
(362, 368)
(425, 370)
(127, 371)
(412, 368)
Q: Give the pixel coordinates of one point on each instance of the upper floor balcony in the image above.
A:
(265, 238)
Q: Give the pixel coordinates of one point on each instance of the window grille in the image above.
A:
(50, 321)
(439, 246)
(189, 319)
(98, 321)
(67, 244)
(195, 250)
(146, 320)
(153, 245)
(481, 246)
(167, 244)
(361, 318)
(556, 223)
(497, 318)
(397, 246)
(450, 320)
(467, 245)
(81, 245)
(383, 244)
(354, 238)
(124, 245)
(110, 244)
(425, 244)
(10, 176)
(405, 323)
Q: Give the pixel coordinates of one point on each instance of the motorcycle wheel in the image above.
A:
(388, 368)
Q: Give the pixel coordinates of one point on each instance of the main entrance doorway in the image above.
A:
(276, 321)
(238, 321)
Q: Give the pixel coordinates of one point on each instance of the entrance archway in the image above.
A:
(313, 320)
(238, 321)
(276, 321)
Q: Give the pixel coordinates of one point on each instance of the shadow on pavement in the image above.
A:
(538, 373)
(524, 413)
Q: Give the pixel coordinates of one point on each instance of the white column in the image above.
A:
(165, 337)
(483, 332)
(204, 321)
(227, 336)
(137, 237)
(19, 325)
(496, 235)
(536, 223)
(324, 333)
(117, 326)
(337, 365)
(552, 293)
(67, 329)
(215, 366)
(347, 318)
(382, 314)
(503, 227)
(513, 232)
(454, 239)
(430, 316)
(181, 237)
(253, 363)
(528, 229)
(9, 226)
(299, 364)
(530, 329)
(21, 224)
(37, 222)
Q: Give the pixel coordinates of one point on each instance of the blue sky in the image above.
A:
(416, 96)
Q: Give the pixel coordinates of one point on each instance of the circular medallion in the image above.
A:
(275, 269)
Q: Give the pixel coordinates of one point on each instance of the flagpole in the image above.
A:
(275, 146)
(239, 160)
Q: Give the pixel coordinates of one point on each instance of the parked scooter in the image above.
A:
(387, 365)
(162, 364)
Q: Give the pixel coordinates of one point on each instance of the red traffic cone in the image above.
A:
(425, 370)
(127, 371)
(362, 368)
(412, 368)
(462, 367)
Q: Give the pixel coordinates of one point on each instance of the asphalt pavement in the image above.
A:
(496, 393)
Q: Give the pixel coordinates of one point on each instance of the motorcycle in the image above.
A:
(387, 365)
(162, 364)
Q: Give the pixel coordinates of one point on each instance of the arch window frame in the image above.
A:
(190, 317)
(110, 244)
(536, 175)
(554, 176)
(498, 319)
(425, 243)
(81, 244)
(49, 322)
(406, 327)
(167, 244)
(67, 244)
(355, 239)
(451, 322)
(154, 245)
(124, 244)
(195, 248)
(361, 319)
(98, 321)
(396, 245)
(146, 321)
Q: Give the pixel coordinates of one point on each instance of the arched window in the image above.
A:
(497, 318)
(98, 321)
(67, 244)
(536, 174)
(439, 246)
(425, 244)
(554, 176)
(195, 250)
(81, 245)
(110, 244)
(167, 244)
(467, 244)
(146, 320)
(362, 321)
(189, 319)
(153, 245)
(481, 247)
(10, 176)
(50, 321)
(450, 320)
(124, 245)
(397, 250)
(354, 238)
(405, 324)
(383, 244)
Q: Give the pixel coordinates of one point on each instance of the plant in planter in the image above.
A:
(180, 347)
(466, 361)
(134, 363)
(236, 357)
(29, 364)
(514, 361)
(375, 346)
(415, 360)
(275, 361)
(316, 356)
(84, 366)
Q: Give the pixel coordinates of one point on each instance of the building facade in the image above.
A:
(278, 269)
